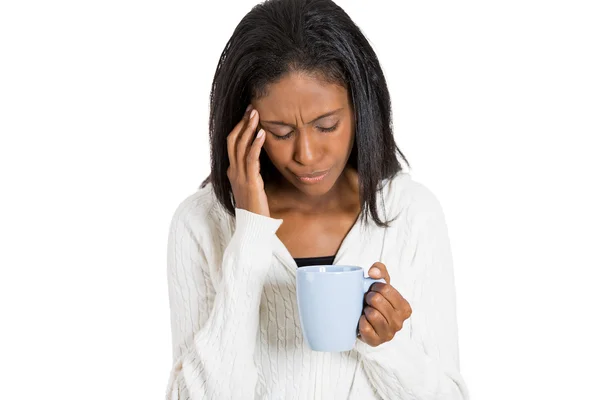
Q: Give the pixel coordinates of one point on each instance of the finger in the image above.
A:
(243, 145)
(367, 332)
(390, 294)
(233, 135)
(380, 303)
(379, 271)
(382, 329)
(253, 159)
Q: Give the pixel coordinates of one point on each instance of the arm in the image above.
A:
(421, 362)
(215, 323)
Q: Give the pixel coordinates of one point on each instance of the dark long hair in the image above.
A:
(316, 36)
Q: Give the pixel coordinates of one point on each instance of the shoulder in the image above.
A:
(405, 196)
(199, 214)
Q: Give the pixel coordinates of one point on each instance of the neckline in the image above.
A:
(283, 254)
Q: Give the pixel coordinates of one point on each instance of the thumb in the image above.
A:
(378, 271)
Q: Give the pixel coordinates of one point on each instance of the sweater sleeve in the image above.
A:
(215, 317)
(421, 362)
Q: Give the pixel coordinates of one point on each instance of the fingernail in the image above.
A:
(376, 272)
(252, 114)
(249, 107)
(260, 133)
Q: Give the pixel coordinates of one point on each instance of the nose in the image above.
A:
(305, 149)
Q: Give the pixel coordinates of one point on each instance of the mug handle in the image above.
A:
(367, 282)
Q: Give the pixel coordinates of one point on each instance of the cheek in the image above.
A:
(276, 151)
(344, 141)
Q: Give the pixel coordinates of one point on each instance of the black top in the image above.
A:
(305, 262)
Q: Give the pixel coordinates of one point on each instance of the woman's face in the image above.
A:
(309, 126)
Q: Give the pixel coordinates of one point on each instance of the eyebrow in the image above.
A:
(316, 119)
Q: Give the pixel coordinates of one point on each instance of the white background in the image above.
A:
(103, 122)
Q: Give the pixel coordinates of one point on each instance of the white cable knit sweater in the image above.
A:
(235, 327)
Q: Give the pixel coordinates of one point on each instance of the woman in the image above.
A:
(305, 171)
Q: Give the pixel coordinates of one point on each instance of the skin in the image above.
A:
(307, 126)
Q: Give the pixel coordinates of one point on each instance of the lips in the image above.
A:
(311, 175)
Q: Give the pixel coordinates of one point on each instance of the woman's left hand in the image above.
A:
(385, 310)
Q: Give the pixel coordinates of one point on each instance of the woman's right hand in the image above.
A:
(244, 166)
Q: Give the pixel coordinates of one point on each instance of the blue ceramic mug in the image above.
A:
(330, 303)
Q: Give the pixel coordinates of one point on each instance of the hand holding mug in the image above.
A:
(385, 310)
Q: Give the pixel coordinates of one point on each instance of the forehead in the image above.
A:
(301, 93)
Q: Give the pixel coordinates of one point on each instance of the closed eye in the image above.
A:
(330, 129)
(280, 137)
